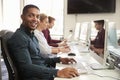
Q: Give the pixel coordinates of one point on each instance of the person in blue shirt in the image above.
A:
(25, 50)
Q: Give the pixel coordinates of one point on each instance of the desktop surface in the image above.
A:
(97, 75)
(86, 59)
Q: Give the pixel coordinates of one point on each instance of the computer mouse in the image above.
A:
(71, 54)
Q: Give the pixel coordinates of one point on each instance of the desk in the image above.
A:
(92, 74)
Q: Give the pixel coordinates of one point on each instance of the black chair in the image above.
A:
(11, 68)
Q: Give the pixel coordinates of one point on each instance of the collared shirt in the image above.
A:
(24, 48)
(99, 41)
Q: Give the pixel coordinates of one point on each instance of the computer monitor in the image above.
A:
(113, 46)
(85, 32)
(73, 37)
(77, 31)
(101, 58)
(112, 35)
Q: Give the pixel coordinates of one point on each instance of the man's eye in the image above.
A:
(30, 15)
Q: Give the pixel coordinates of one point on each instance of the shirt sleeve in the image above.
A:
(44, 47)
(50, 41)
(56, 41)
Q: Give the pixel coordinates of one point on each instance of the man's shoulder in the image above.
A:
(18, 35)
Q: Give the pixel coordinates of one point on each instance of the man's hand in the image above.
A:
(92, 47)
(63, 43)
(67, 73)
(99, 51)
(67, 60)
(64, 49)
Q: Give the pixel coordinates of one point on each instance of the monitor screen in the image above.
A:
(84, 32)
(90, 6)
(112, 45)
(110, 40)
(77, 31)
(112, 35)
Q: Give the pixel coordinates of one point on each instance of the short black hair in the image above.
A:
(25, 9)
(99, 22)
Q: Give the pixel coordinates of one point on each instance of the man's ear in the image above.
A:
(22, 17)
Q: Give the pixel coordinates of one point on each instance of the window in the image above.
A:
(52, 8)
(0, 13)
(10, 14)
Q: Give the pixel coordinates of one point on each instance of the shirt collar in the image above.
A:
(27, 30)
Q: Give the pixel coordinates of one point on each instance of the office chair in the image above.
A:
(9, 62)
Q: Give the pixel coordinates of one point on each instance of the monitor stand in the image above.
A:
(97, 66)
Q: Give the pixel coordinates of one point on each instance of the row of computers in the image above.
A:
(85, 31)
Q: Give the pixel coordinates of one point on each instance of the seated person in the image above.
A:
(97, 45)
(45, 48)
(24, 49)
(119, 42)
(52, 42)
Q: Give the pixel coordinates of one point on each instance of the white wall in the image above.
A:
(70, 20)
(0, 13)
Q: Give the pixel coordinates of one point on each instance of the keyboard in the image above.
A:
(115, 50)
(73, 43)
(83, 50)
(82, 71)
(80, 49)
(98, 66)
(73, 48)
(80, 67)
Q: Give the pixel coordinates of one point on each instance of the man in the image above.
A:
(97, 45)
(24, 49)
(52, 42)
(118, 42)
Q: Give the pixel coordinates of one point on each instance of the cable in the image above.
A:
(104, 76)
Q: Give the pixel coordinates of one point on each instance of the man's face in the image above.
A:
(51, 24)
(31, 18)
(98, 26)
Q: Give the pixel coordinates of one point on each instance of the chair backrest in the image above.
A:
(12, 70)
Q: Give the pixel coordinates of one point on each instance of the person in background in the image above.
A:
(52, 42)
(45, 48)
(119, 42)
(24, 48)
(97, 45)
